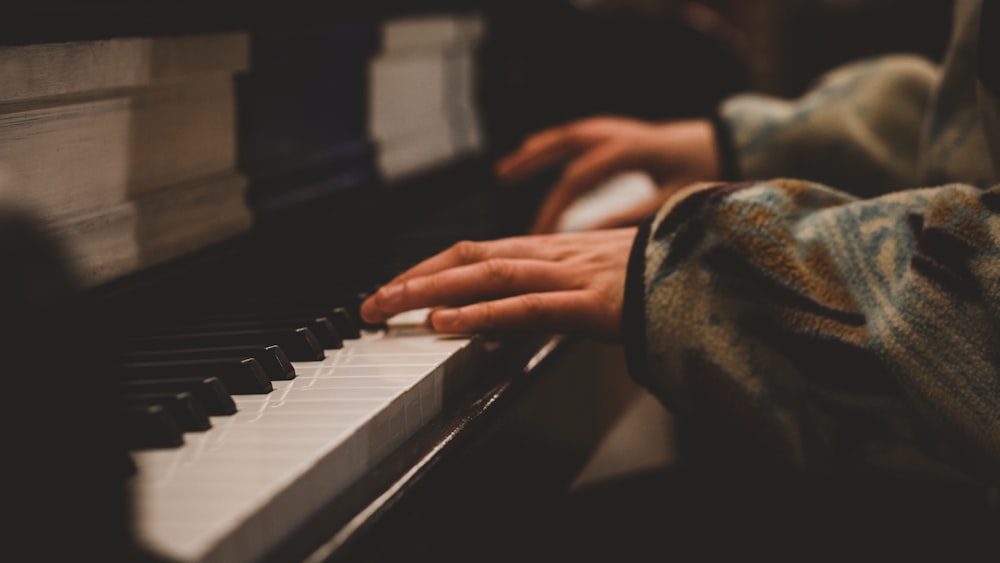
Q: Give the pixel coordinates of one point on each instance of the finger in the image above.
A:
(469, 252)
(539, 152)
(461, 285)
(561, 312)
(586, 173)
(558, 144)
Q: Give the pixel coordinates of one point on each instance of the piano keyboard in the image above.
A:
(317, 399)
(235, 491)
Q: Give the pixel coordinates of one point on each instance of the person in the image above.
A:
(840, 343)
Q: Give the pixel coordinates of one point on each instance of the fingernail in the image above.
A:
(442, 319)
(374, 309)
(368, 311)
(390, 294)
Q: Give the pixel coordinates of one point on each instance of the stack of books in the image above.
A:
(125, 148)
(424, 109)
(137, 150)
(356, 105)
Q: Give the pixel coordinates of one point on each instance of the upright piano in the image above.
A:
(197, 195)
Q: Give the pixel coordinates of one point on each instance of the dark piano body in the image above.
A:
(506, 435)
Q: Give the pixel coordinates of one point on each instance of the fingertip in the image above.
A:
(381, 305)
(369, 312)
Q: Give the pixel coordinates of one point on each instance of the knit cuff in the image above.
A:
(634, 306)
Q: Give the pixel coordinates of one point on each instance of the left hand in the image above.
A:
(561, 283)
(592, 150)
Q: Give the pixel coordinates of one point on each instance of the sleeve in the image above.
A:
(869, 113)
(818, 330)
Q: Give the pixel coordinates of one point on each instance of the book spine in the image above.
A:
(423, 93)
(126, 148)
(128, 236)
(78, 67)
(73, 157)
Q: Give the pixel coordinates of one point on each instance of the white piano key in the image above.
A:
(425, 359)
(353, 382)
(411, 343)
(261, 437)
(408, 319)
(345, 393)
(371, 370)
(312, 406)
(614, 195)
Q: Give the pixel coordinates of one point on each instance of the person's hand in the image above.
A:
(561, 283)
(674, 154)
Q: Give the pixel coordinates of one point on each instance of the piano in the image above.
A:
(373, 405)
(217, 399)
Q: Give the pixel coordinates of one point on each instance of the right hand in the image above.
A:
(570, 283)
(673, 153)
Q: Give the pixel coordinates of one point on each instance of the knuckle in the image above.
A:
(498, 271)
(427, 285)
(534, 305)
(486, 315)
(466, 251)
(595, 124)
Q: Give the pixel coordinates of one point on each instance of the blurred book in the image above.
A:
(423, 88)
(137, 150)
(98, 135)
(67, 155)
(38, 71)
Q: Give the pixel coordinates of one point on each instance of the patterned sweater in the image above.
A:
(846, 320)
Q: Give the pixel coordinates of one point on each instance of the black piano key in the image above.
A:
(183, 406)
(240, 375)
(346, 322)
(355, 312)
(272, 358)
(279, 298)
(338, 318)
(211, 392)
(314, 286)
(285, 297)
(149, 427)
(324, 330)
(299, 344)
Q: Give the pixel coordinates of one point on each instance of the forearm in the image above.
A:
(859, 127)
(822, 331)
